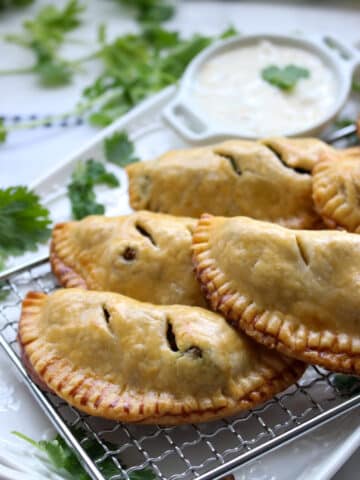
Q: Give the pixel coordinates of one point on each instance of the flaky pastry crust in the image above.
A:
(144, 255)
(117, 358)
(267, 180)
(336, 192)
(295, 291)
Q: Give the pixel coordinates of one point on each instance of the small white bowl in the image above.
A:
(192, 124)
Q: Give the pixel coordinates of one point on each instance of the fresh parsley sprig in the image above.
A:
(120, 150)
(4, 4)
(356, 86)
(154, 11)
(44, 35)
(24, 222)
(346, 384)
(136, 66)
(81, 188)
(63, 457)
(284, 78)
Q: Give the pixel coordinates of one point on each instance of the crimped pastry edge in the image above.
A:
(324, 195)
(65, 274)
(55, 375)
(245, 315)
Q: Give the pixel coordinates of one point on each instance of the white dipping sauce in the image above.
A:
(232, 92)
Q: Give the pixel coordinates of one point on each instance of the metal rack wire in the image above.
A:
(203, 451)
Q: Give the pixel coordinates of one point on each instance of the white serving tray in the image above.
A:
(317, 454)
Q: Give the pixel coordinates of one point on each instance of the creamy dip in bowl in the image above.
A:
(230, 90)
(262, 85)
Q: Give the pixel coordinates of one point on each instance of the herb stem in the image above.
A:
(27, 439)
(79, 110)
(85, 58)
(17, 71)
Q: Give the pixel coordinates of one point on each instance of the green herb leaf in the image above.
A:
(54, 73)
(24, 222)
(97, 174)
(136, 66)
(155, 11)
(229, 32)
(14, 3)
(160, 38)
(63, 458)
(284, 78)
(4, 291)
(81, 188)
(356, 86)
(343, 122)
(119, 149)
(3, 132)
(44, 35)
(347, 384)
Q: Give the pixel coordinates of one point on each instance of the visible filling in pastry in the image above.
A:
(145, 255)
(117, 358)
(296, 291)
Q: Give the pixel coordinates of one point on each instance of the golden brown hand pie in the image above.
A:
(296, 291)
(115, 357)
(336, 192)
(145, 255)
(269, 180)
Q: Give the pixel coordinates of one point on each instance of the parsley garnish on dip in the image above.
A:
(265, 89)
(285, 78)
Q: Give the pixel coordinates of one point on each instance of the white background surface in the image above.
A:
(27, 155)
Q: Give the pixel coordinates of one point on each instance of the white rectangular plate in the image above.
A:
(306, 457)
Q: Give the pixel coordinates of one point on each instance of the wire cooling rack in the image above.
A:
(203, 451)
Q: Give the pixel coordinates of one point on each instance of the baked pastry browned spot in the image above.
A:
(336, 192)
(117, 358)
(296, 291)
(145, 255)
(269, 181)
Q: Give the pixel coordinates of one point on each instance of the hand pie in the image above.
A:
(296, 291)
(117, 358)
(336, 192)
(269, 181)
(145, 255)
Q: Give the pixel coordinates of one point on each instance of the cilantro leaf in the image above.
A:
(136, 66)
(3, 132)
(155, 11)
(64, 458)
(356, 86)
(44, 35)
(343, 122)
(119, 149)
(97, 173)
(347, 384)
(54, 73)
(229, 32)
(81, 188)
(24, 222)
(14, 3)
(284, 78)
(4, 290)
